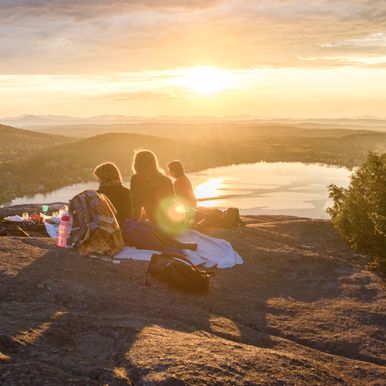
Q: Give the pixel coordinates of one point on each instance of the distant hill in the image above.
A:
(201, 131)
(36, 121)
(120, 147)
(58, 123)
(19, 143)
(29, 120)
(66, 163)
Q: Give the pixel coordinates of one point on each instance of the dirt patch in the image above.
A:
(303, 309)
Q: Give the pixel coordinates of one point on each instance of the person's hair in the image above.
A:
(176, 168)
(108, 172)
(145, 161)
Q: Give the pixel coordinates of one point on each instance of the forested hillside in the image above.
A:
(19, 143)
(38, 163)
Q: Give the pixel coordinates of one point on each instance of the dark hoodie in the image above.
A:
(148, 190)
(120, 197)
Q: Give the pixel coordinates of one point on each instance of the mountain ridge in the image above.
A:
(31, 120)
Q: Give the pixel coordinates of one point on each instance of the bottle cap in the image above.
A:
(65, 217)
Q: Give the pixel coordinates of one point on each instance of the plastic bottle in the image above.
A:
(63, 210)
(64, 231)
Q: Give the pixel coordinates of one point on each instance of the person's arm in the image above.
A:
(183, 188)
(136, 198)
(170, 187)
(178, 188)
(127, 211)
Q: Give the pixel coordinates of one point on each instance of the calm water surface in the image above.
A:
(290, 188)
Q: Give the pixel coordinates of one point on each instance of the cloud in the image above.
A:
(140, 95)
(376, 61)
(12, 10)
(98, 36)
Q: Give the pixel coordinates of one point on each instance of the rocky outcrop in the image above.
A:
(303, 309)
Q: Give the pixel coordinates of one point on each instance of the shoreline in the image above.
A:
(251, 187)
(76, 181)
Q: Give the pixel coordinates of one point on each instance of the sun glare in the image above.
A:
(207, 80)
(209, 189)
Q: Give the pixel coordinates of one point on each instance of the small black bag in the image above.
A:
(231, 218)
(179, 271)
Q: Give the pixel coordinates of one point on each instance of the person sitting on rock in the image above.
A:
(151, 189)
(110, 184)
(182, 185)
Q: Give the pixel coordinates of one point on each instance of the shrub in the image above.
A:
(359, 212)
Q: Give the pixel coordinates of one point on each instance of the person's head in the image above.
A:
(108, 172)
(145, 161)
(176, 169)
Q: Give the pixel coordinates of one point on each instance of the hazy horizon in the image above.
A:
(225, 117)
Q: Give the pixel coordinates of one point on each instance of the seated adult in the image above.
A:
(110, 184)
(182, 185)
(151, 189)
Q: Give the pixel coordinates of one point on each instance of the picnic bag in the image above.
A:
(94, 226)
(179, 271)
(217, 218)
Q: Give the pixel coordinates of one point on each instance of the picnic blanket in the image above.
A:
(211, 252)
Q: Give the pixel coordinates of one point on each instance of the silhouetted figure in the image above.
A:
(110, 184)
(182, 185)
(150, 189)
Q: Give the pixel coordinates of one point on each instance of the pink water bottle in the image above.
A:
(64, 231)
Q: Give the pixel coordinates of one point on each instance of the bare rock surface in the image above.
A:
(302, 310)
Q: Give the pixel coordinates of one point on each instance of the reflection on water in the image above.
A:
(208, 189)
(289, 188)
(60, 195)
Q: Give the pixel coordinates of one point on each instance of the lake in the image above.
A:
(288, 188)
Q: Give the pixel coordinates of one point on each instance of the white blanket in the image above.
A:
(211, 252)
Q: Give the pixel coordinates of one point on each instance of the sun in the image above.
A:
(207, 80)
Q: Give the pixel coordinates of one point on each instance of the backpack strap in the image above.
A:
(180, 257)
(153, 257)
(186, 260)
(78, 207)
(85, 221)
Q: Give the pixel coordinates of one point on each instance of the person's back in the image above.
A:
(182, 185)
(150, 189)
(110, 184)
(120, 197)
(184, 191)
(148, 192)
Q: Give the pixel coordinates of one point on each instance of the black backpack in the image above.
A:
(179, 271)
(231, 218)
(221, 219)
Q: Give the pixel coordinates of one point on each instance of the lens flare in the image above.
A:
(172, 215)
(177, 212)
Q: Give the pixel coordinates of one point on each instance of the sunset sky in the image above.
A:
(270, 58)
